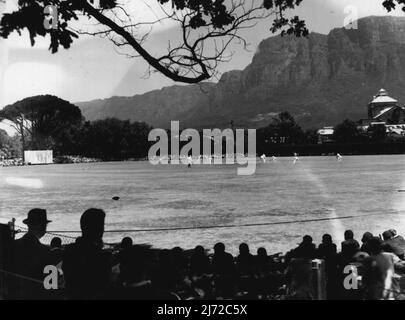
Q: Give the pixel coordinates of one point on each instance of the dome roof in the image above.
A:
(383, 97)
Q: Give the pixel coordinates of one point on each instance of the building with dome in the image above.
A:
(385, 110)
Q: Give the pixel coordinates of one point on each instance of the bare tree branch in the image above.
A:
(205, 29)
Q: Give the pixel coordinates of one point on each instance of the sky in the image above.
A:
(93, 69)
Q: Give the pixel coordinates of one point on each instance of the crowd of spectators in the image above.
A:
(128, 271)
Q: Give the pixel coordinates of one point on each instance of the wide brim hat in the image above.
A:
(36, 216)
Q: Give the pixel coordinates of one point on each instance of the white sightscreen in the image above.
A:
(38, 156)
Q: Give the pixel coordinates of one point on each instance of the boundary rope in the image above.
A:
(221, 226)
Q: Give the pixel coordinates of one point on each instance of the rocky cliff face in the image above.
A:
(321, 80)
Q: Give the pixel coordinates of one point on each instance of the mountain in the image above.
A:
(320, 79)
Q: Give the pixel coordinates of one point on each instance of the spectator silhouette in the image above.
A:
(245, 260)
(86, 266)
(327, 249)
(398, 240)
(199, 262)
(179, 261)
(392, 244)
(350, 246)
(125, 258)
(224, 270)
(378, 272)
(29, 258)
(126, 243)
(222, 261)
(164, 277)
(268, 278)
(297, 273)
(395, 235)
(245, 264)
(135, 272)
(264, 263)
(305, 250)
(367, 236)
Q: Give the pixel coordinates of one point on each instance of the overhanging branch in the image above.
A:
(152, 61)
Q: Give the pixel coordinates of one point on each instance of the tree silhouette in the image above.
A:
(282, 129)
(42, 119)
(346, 132)
(113, 139)
(206, 28)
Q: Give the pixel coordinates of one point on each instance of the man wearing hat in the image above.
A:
(37, 222)
(30, 257)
